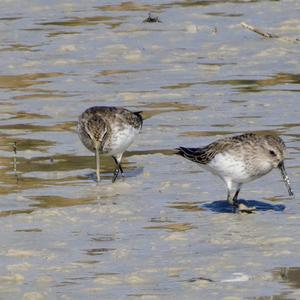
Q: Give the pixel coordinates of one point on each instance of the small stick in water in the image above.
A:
(268, 34)
(258, 31)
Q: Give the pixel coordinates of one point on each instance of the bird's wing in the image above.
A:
(205, 154)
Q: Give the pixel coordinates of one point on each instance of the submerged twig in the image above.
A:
(15, 156)
(15, 160)
(267, 34)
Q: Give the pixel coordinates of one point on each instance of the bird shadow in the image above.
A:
(222, 206)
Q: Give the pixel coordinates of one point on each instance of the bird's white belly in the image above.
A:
(121, 139)
(236, 169)
(226, 165)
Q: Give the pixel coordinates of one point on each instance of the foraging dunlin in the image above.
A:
(109, 131)
(240, 159)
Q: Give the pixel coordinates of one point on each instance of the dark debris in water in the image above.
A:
(29, 230)
(194, 279)
(152, 19)
(98, 251)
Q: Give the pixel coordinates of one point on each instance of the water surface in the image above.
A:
(163, 232)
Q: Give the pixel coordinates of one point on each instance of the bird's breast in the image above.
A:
(120, 139)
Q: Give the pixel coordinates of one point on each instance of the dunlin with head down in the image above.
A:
(109, 131)
(240, 159)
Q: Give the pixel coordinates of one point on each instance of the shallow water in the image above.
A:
(162, 232)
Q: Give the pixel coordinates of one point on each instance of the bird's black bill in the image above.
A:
(285, 178)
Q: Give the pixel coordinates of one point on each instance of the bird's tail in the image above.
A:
(188, 153)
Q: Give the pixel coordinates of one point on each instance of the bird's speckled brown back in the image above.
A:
(206, 154)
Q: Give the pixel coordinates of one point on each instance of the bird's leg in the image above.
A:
(116, 173)
(231, 200)
(229, 197)
(98, 163)
(121, 169)
(240, 207)
(118, 168)
(235, 198)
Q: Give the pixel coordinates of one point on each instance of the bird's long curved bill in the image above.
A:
(98, 164)
(285, 178)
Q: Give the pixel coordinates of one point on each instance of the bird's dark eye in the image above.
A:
(272, 153)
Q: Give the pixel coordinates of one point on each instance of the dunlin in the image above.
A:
(240, 159)
(109, 131)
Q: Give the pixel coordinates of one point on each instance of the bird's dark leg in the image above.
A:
(116, 173)
(235, 198)
(121, 169)
(228, 196)
(117, 170)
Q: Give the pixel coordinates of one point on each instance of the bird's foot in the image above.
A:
(116, 173)
(242, 208)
